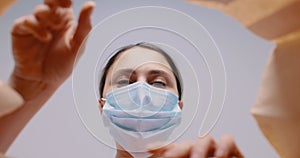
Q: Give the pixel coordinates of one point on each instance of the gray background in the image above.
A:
(57, 131)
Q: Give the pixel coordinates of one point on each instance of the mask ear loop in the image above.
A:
(103, 99)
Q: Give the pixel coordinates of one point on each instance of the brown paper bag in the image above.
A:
(5, 4)
(269, 19)
(277, 108)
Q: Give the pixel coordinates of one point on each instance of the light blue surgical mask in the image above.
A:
(140, 114)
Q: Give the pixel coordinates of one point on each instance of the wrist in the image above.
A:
(35, 94)
(32, 89)
(10, 100)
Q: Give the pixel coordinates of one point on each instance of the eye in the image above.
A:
(159, 84)
(123, 82)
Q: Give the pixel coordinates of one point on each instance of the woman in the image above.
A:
(141, 102)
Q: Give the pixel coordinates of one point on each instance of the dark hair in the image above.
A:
(147, 46)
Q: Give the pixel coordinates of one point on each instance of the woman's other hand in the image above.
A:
(203, 147)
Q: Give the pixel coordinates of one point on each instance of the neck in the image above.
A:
(121, 153)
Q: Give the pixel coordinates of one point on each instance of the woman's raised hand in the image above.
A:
(45, 45)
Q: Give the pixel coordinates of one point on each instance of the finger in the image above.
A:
(227, 148)
(180, 150)
(52, 19)
(44, 15)
(28, 25)
(158, 148)
(58, 3)
(204, 147)
(84, 25)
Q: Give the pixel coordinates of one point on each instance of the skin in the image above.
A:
(141, 62)
(45, 45)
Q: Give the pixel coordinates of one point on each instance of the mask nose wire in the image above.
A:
(143, 96)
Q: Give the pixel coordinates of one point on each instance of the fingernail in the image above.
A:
(169, 154)
(220, 153)
(195, 155)
(47, 36)
(66, 4)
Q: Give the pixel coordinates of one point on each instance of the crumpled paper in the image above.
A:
(277, 107)
(269, 19)
(5, 4)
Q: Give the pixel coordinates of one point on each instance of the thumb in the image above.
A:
(84, 25)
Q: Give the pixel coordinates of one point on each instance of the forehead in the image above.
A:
(139, 57)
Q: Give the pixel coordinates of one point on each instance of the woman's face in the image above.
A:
(140, 65)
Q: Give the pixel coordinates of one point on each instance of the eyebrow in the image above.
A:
(128, 71)
(155, 72)
(132, 71)
(159, 72)
(123, 71)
